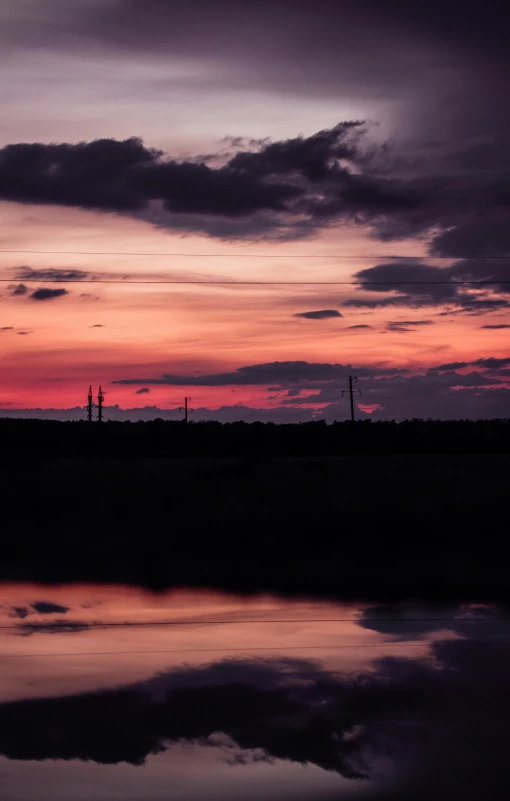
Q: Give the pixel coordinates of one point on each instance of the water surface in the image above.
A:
(110, 692)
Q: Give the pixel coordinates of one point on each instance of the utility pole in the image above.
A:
(351, 392)
(89, 405)
(185, 409)
(100, 399)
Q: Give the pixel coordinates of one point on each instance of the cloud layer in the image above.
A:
(282, 189)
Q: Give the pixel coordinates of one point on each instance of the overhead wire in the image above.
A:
(325, 647)
(361, 285)
(255, 255)
(150, 623)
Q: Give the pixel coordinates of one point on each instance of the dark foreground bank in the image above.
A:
(24, 437)
(380, 527)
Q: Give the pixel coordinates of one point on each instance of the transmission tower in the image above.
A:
(100, 401)
(90, 405)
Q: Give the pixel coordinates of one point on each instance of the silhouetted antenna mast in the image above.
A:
(90, 405)
(351, 392)
(100, 400)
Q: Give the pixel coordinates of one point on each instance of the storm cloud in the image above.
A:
(280, 189)
(299, 183)
(441, 85)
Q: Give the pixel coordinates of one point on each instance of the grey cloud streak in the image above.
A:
(262, 374)
(51, 274)
(406, 326)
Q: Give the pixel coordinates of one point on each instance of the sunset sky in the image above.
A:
(314, 148)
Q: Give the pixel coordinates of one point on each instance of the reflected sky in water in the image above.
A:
(117, 693)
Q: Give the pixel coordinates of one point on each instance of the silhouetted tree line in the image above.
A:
(252, 440)
(417, 509)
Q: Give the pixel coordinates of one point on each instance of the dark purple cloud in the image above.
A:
(49, 608)
(299, 184)
(39, 608)
(415, 284)
(322, 314)
(485, 363)
(286, 189)
(48, 294)
(69, 627)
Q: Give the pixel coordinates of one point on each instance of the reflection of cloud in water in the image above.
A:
(408, 621)
(427, 710)
(37, 608)
(444, 724)
(56, 627)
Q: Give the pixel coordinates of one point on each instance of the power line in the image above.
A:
(254, 255)
(359, 284)
(327, 647)
(99, 624)
(488, 394)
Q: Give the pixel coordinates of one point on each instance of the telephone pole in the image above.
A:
(186, 409)
(89, 405)
(100, 399)
(351, 392)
